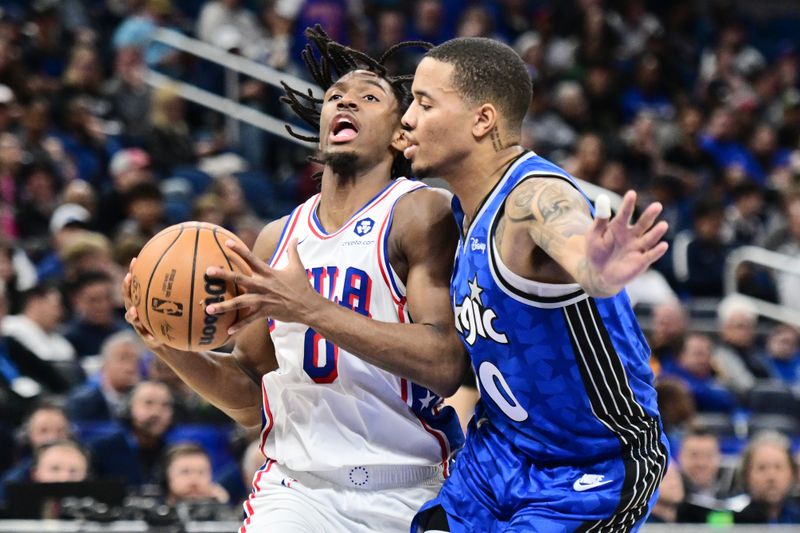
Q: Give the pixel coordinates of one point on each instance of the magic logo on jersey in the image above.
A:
(474, 320)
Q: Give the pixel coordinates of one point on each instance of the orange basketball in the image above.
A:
(170, 288)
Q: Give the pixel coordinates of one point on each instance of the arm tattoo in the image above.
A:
(589, 279)
(521, 200)
(553, 211)
(497, 143)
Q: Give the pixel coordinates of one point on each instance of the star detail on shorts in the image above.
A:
(426, 401)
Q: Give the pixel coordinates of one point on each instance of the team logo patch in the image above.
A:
(473, 319)
(364, 226)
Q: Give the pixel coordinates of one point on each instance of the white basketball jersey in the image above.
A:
(325, 408)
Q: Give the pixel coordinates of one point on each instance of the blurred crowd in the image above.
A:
(695, 104)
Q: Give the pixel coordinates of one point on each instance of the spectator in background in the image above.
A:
(87, 141)
(589, 159)
(136, 452)
(24, 377)
(231, 15)
(543, 129)
(17, 274)
(721, 140)
(700, 459)
(693, 366)
(11, 155)
(676, 405)
(768, 474)
(170, 143)
(787, 241)
(696, 258)
(745, 220)
(128, 93)
(668, 330)
(137, 29)
(737, 353)
(782, 354)
(104, 397)
(686, 159)
(38, 197)
(188, 476)
(66, 224)
(127, 168)
(60, 461)
(94, 318)
(145, 209)
(670, 495)
(36, 328)
(47, 423)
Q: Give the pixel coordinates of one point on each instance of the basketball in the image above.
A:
(170, 289)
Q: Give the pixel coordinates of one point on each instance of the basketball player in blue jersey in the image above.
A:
(359, 273)
(566, 436)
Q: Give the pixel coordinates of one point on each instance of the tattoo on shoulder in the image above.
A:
(558, 210)
(519, 209)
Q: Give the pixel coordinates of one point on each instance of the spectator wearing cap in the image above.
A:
(94, 318)
(36, 328)
(128, 168)
(65, 223)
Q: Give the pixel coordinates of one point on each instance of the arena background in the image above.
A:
(120, 117)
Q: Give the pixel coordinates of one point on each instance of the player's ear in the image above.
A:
(485, 120)
(399, 140)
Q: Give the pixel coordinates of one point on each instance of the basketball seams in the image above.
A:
(153, 273)
(191, 288)
(228, 260)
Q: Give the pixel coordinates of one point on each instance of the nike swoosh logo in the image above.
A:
(580, 486)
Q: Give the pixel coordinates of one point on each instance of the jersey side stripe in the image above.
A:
(645, 462)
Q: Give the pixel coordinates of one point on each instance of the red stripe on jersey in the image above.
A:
(442, 443)
(404, 390)
(248, 507)
(268, 414)
(384, 268)
(286, 239)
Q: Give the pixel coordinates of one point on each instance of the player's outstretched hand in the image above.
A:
(618, 251)
(132, 316)
(284, 294)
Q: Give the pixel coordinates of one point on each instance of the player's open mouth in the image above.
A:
(343, 128)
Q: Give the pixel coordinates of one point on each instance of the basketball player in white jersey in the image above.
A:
(360, 272)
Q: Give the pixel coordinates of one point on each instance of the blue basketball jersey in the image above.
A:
(561, 375)
(567, 428)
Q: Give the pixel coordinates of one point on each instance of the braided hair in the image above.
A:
(334, 61)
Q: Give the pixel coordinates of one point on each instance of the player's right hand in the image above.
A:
(131, 315)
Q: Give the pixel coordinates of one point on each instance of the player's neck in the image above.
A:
(342, 196)
(478, 175)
